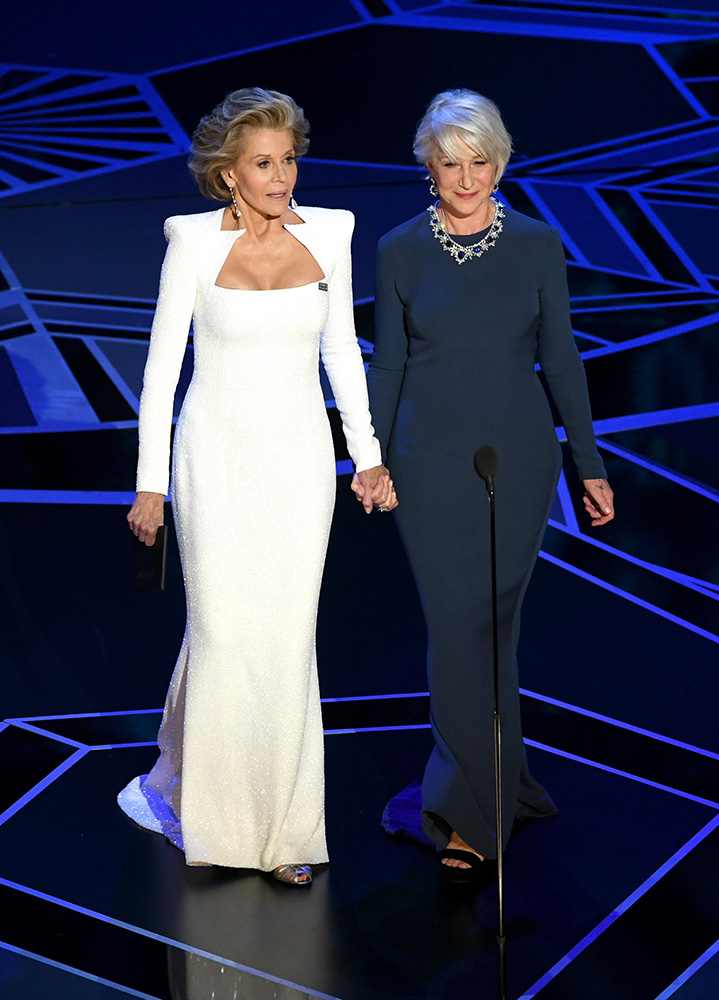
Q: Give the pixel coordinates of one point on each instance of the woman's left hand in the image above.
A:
(373, 488)
(598, 501)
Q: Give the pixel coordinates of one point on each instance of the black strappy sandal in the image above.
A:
(474, 873)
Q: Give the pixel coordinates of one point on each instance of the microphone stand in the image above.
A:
(486, 462)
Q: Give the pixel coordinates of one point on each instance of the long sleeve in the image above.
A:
(562, 366)
(342, 360)
(168, 340)
(386, 370)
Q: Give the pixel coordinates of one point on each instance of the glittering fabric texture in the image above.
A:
(239, 781)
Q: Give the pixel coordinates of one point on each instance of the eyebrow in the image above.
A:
(267, 156)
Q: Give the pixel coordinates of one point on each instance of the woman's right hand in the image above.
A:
(374, 489)
(146, 515)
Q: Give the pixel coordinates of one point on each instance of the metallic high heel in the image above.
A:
(290, 874)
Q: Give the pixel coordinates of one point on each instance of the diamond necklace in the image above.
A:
(460, 253)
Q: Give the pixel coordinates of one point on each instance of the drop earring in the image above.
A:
(293, 203)
(433, 187)
(235, 207)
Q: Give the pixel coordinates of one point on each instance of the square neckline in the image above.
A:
(286, 288)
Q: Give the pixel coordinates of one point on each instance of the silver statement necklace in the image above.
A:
(459, 252)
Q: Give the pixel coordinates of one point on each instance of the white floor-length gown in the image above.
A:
(240, 778)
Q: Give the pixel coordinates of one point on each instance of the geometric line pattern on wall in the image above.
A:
(637, 213)
(635, 196)
(56, 125)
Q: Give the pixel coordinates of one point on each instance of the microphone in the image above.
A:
(486, 461)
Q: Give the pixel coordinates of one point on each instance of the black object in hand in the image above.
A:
(149, 562)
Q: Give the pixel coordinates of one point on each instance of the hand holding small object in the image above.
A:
(146, 515)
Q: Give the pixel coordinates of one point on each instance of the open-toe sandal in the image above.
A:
(292, 874)
(477, 867)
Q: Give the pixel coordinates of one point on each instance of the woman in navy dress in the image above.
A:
(468, 296)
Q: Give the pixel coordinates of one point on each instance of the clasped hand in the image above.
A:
(373, 488)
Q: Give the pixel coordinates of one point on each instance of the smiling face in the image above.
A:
(464, 183)
(265, 173)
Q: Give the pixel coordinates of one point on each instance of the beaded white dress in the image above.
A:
(240, 778)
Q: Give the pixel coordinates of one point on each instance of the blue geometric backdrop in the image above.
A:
(614, 111)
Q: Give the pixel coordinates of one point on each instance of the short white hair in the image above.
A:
(463, 116)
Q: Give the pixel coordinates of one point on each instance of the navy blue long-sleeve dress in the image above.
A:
(454, 368)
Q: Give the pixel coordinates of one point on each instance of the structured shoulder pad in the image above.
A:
(172, 226)
(186, 224)
(339, 221)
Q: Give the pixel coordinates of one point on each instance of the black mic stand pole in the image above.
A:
(486, 462)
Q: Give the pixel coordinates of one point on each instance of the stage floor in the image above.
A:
(613, 111)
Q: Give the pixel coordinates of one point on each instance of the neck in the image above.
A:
(257, 226)
(463, 226)
(261, 227)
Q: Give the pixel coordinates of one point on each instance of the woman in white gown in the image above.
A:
(240, 780)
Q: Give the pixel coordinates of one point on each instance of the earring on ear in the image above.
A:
(496, 187)
(433, 187)
(293, 203)
(235, 207)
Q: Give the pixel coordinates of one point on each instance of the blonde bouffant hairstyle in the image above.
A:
(220, 136)
(456, 116)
